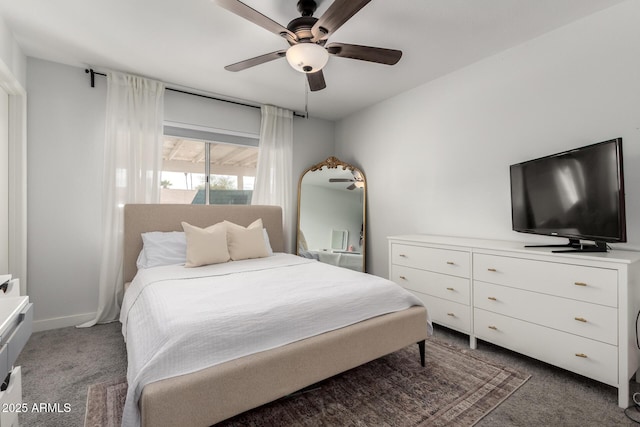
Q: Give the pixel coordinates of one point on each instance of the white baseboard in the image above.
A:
(61, 322)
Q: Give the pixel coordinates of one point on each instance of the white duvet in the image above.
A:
(179, 320)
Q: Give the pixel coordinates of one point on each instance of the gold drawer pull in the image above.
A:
(402, 256)
(451, 263)
(584, 356)
(403, 278)
(492, 270)
(580, 319)
(451, 314)
(492, 298)
(450, 289)
(493, 327)
(580, 284)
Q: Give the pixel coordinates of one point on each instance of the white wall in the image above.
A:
(66, 130)
(437, 157)
(64, 155)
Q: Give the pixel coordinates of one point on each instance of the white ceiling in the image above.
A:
(186, 43)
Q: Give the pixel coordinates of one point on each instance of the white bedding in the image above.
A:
(179, 320)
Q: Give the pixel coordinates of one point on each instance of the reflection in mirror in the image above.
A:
(331, 214)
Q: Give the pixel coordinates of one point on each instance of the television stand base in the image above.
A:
(574, 245)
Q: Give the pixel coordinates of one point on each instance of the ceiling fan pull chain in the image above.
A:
(306, 98)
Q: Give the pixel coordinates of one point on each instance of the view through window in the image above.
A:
(186, 164)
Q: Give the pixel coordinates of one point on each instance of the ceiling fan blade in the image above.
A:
(316, 81)
(250, 14)
(351, 187)
(248, 63)
(337, 14)
(340, 180)
(365, 53)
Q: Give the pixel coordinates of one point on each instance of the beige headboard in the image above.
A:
(143, 218)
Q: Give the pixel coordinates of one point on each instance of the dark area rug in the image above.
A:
(454, 389)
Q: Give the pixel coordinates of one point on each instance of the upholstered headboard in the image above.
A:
(163, 217)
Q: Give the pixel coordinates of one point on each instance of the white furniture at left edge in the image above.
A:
(16, 320)
(577, 311)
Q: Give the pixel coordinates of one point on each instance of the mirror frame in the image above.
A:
(334, 163)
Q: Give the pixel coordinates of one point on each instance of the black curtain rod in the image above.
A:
(93, 74)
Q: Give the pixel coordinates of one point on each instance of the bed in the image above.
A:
(214, 393)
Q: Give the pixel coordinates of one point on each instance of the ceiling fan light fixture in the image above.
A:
(307, 57)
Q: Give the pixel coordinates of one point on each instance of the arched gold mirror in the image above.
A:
(332, 213)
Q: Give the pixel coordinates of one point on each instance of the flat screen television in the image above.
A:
(577, 194)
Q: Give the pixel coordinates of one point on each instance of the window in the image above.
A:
(207, 172)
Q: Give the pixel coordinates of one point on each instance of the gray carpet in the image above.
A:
(59, 365)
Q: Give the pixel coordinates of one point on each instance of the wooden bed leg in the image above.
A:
(421, 347)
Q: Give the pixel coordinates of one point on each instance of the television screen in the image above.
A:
(578, 194)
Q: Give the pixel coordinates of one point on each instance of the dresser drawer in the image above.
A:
(446, 261)
(588, 320)
(444, 286)
(447, 313)
(590, 284)
(21, 333)
(583, 356)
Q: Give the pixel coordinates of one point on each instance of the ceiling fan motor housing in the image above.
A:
(301, 27)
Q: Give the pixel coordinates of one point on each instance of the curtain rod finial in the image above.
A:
(93, 76)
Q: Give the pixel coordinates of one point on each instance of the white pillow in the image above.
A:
(162, 248)
(206, 245)
(267, 242)
(245, 243)
(141, 262)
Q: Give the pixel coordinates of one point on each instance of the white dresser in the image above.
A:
(575, 311)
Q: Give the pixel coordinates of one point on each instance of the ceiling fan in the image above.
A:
(351, 187)
(357, 180)
(307, 37)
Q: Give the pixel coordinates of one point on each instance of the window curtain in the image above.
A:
(273, 185)
(132, 167)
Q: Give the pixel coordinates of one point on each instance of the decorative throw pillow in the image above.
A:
(206, 245)
(246, 242)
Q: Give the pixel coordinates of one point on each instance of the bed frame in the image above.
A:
(214, 394)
